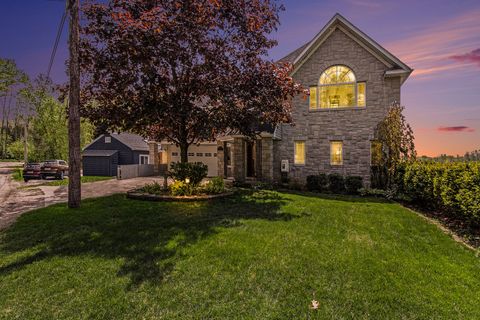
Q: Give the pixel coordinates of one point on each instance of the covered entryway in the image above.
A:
(240, 158)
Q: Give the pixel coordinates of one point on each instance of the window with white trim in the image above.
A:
(143, 159)
(108, 139)
(337, 88)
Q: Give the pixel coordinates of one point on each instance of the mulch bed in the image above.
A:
(137, 195)
(466, 232)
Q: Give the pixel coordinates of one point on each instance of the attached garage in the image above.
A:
(205, 152)
(100, 162)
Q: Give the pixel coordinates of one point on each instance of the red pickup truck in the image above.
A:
(54, 168)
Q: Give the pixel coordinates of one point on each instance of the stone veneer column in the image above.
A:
(221, 158)
(267, 158)
(153, 156)
(238, 159)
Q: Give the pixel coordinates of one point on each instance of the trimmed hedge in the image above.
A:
(317, 183)
(353, 184)
(453, 187)
(336, 183)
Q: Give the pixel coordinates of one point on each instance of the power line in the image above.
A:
(57, 40)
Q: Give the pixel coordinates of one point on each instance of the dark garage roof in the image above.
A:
(133, 141)
(98, 153)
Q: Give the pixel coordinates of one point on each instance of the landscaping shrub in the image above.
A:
(353, 184)
(336, 183)
(152, 188)
(295, 184)
(214, 186)
(452, 187)
(196, 172)
(317, 183)
(372, 192)
(181, 188)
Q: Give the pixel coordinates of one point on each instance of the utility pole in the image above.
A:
(74, 185)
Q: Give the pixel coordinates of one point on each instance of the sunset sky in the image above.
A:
(439, 39)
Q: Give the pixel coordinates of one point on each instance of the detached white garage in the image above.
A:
(205, 152)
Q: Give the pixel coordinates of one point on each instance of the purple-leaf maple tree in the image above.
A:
(184, 71)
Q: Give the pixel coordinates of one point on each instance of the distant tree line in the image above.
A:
(33, 119)
(468, 156)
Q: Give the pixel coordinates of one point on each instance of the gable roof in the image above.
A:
(132, 141)
(300, 55)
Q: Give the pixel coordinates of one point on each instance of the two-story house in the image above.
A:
(352, 81)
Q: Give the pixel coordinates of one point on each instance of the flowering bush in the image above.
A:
(214, 186)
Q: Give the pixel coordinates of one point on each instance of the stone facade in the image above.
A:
(353, 126)
(339, 43)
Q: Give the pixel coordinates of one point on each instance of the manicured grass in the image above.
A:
(10, 160)
(17, 174)
(84, 179)
(262, 255)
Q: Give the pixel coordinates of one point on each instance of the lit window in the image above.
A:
(336, 153)
(313, 98)
(108, 139)
(338, 89)
(299, 152)
(376, 153)
(361, 94)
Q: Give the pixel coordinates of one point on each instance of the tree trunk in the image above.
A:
(74, 182)
(25, 143)
(184, 152)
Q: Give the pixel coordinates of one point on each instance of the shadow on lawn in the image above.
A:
(149, 236)
(337, 197)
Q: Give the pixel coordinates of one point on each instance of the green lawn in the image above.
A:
(84, 179)
(254, 256)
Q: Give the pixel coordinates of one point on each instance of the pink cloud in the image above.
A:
(430, 50)
(456, 129)
(473, 56)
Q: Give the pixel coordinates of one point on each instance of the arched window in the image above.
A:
(337, 88)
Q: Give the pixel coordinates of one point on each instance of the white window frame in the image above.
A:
(319, 86)
(140, 156)
(108, 139)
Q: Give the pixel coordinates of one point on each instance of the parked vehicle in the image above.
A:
(32, 171)
(54, 168)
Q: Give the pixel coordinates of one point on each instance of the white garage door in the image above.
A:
(205, 153)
